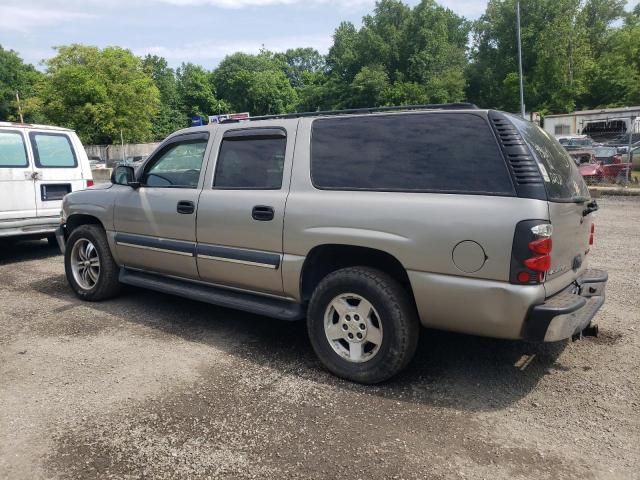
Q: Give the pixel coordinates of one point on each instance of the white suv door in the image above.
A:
(58, 168)
(17, 193)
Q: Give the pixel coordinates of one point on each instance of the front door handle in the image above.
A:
(262, 213)
(186, 207)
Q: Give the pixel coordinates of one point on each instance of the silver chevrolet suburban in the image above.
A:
(366, 223)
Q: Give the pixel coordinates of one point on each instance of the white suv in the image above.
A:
(39, 165)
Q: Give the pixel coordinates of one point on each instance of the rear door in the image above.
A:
(568, 197)
(17, 194)
(58, 169)
(241, 209)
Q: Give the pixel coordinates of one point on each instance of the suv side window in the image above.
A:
(426, 152)
(252, 159)
(13, 153)
(177, 166)
(53, 150)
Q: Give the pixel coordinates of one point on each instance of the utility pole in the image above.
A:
(522, 109)
(632, 124)
(19, 107)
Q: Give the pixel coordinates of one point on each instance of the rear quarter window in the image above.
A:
(427, 152)
(562, 178)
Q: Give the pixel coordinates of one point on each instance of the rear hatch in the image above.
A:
(570, 206)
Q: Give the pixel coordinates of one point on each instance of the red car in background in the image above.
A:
(605, 164)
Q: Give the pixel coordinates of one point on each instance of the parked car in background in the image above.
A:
(575, 142)
(97, 164)
(39, 165)
(605, 165)
(622, 141)
(582, 157)
(344, 219)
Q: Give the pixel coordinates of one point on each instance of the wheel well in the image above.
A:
(324, 259)
(74, 221)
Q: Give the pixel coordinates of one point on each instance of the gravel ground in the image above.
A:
(150, 386)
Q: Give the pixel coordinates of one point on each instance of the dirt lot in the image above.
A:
(150, 386)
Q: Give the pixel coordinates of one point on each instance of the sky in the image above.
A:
(198, 31)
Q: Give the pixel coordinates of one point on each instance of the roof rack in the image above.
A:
(351, 111)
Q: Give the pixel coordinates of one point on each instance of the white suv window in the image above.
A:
(12, 150)
(53, 150)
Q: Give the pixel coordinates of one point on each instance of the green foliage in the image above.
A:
(563, 41)
(401, 53)
(576, 53)
(196, 91)
(99, 93)
(15, 77)
(171, 116)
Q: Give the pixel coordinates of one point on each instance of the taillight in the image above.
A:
(592, 234)
(539, 263)
(541, 246)
(90, 183)
(531, 253)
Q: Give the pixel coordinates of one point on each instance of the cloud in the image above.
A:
(23, 19)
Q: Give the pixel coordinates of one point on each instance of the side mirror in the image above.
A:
(124, 175)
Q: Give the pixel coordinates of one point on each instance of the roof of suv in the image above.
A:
(356, 112)
(31, 125)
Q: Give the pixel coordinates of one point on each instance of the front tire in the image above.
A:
(91, 271)
(362, 325)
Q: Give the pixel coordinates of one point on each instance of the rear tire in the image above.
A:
(91, 271)
(362, 325)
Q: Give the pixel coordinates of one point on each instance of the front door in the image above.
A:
(155, 224)
(241, 210)
(17, 194)
(58, 169)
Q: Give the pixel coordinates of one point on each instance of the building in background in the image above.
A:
(601, 125)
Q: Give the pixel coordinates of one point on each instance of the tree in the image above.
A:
(99, 93)
(15, 77)
(171, 116)
(562, 41)
(196, 91)
(255, 83)
(368, 85)
(300, 64)
(422, 49)
(615, 79)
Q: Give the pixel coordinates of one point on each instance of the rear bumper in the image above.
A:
(568, 312)
(29, 226)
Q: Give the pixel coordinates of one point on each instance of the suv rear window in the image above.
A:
(562, 178)
(432, 152)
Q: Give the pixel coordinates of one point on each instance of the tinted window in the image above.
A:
(417, 152)
(250, 163)
(177, 166)
(53, 150)
(561, 176)
(12, 151)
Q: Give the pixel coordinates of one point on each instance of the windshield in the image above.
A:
(562, 178)
(603, 152)
(576, 142)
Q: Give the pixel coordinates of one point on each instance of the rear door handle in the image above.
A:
(262, 213)
(186, 207)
